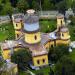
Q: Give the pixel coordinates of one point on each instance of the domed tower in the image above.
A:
(31, 28)
(60, 21)
(64, 34)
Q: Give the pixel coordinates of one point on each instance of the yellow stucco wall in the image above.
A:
(59, 22)
(40, 58)
(66, 35)
(51, 43)
(18, 26)
(58, 42)
(30, 38)
(17, 32)
(6, 54)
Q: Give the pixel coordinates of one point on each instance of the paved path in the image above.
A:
(30, 72)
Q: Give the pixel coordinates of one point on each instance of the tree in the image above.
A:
(65, 66)
(73, 6)
(22, 5)
(21, 57)
(7, 9)
(35, 5)
(47, 5)
(69, 3)
(72, 18)
(57, 52)
(61, 6)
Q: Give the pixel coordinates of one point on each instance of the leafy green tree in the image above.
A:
(72, 18)
(69, 3)
(73, 6)
(35, 5)
(22, 5)
(61, 6)
(7, 9)
(47, 5)
(57, 52)
(21, 57)
(65, 66)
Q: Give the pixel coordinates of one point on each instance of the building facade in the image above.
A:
(38, 43)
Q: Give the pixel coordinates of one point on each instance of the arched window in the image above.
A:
(38, 62)
(17, 35)
(16, 25)
(35, 37)
(43, 60)
(61, 22)
(62, 34)
(52, 46)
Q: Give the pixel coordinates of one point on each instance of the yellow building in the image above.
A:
(8, 48)
(39, 55)
(38, 43)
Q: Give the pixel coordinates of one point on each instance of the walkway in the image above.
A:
(30, 72)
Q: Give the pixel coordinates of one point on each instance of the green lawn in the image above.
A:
(6, 31)
(45, 70)
(47, 25)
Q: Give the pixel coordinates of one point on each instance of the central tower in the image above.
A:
(31, 28)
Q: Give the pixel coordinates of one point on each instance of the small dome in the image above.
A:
(31, 11)
(60, 16)
(31, 27)
(64, 29)
(18, 20)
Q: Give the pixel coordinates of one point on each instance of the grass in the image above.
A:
(6, 31)
(45, 70)
(47, 25)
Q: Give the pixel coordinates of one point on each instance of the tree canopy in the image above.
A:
(65, 66)
(21, 57)
(57, 52)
